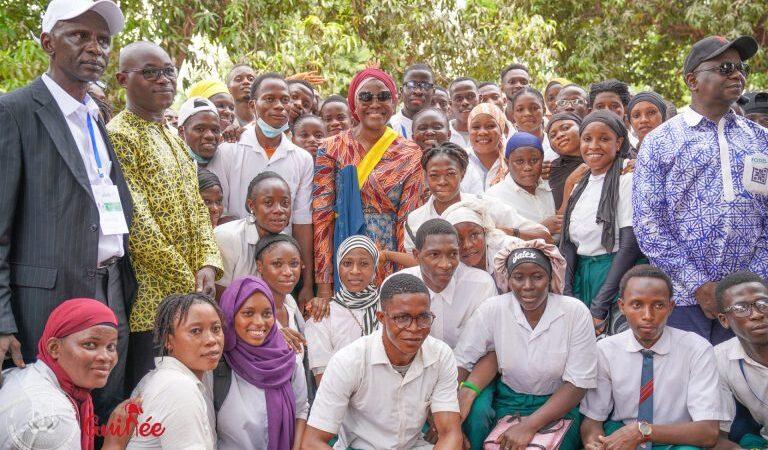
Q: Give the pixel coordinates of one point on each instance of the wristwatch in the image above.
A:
(645, 429)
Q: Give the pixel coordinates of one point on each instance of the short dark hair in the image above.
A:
(302, 118)
(527, 90)
(418, 66)
(440, 88)
(617, 87)
(267, 242)
(514, 66)
(335, 98)
(732, 280)
(258, 179)
(303, 83)
(448, 149)
(573, 86)
(237, 66)
(433, 227)
(401, 283)
(487, 83)
(459, 80)
(260, 79)
(645, 271)
(172, 311)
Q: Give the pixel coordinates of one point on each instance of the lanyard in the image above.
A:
(744, 374)
(93, 146)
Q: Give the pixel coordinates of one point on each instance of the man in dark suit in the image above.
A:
(65, 206)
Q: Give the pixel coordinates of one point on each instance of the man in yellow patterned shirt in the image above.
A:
(171, 240)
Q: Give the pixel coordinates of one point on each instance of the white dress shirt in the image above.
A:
(478, 179)
(535, 207)
(503, 216)
(237, 245)
(174, 397)
(460, 138)
(370, 406)
(533, 361)
(331, 334)
(744, 386)
(242, 420)
(454, 305)
(584, 230)
(402, 125)
(685, 382)
(237, 163)
(35, 412)
(76, 114)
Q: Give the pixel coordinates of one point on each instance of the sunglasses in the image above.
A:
(153, 73)
(727, 68)
(423, 85)
(367, 97)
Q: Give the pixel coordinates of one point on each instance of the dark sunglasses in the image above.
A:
(153, 73)
(367, 97)
(423, 85)
(727, 68)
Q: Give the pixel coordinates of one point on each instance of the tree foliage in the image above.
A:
(643, 43)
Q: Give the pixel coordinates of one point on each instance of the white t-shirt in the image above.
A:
(535, 207)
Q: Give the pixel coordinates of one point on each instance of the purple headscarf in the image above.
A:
(269, 366)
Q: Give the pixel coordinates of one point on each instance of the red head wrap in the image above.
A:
(71, 317)
(360, 78)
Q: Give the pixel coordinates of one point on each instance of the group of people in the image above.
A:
(482, 266)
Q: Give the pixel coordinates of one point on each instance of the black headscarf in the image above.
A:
(206, 179)
(564, 165)
(651, 97)
(609, 196)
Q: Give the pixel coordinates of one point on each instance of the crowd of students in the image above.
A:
(481, 266)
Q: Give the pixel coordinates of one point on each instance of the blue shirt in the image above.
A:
(693, 217)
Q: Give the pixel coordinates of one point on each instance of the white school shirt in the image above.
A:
(75, 113)
(370, 406)
(35, 412)
(535, 207)
(460, 138)
(584, 230)
(562, 347)
(174, 397)
(503, 216)
(477, 179)
(402, 125)
(242, 420)
(685, 381)
(331, 334)
(237, 244)
(734, 384)
(454, 305)
(237, 163)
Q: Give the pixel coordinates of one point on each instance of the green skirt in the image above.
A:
(489, 407)
(590, 275)
(611, 427)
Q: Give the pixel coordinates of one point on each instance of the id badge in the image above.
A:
(111, 216)
(756, 174)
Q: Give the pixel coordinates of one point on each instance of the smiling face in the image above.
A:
(254, 319)
(202, 133)
(528, 113)
(417, 98)
(197, 341)
(572, 99)
(153, 95)
(79, 48)
(280, 267)
(302, 99)
(430, 129)
(530, 284)
(752, 329)
(514, 80)
(270, 203)
(240, 81)
(599, 146)
(404, 341)
(645, 116)
(356, 270)
(490, 93)
(87, 356)
(484, 135)
(525, 166)
(647, 304)
(309, 133)
(444, 175)
(213, 198)
(463, 98)
(225, 105)
(471, 244)
(710, 87)
(374, 114)
(272, 102)
(336, 117)
(438, 259)
(564, 138)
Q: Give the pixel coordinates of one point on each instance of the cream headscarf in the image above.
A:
(501, 120)
(558, 263)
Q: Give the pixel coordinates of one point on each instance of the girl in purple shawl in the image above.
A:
(266, 405)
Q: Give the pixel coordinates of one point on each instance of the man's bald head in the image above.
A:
(149, 78)
(135, 55)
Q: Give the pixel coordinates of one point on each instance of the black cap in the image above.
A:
(714, 46)
(757, 102)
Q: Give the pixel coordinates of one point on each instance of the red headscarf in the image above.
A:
(363, 76)
(71, 317)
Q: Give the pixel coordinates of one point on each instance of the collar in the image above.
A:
(661, 347)
(542, 185)
(404, 120)
(692, 118)
(447, 293)
(736, 352)
(248, 139)
(423, 359)
(551, 313)
(171, 363)
(69, 104)
(46, 372)
(251, 232)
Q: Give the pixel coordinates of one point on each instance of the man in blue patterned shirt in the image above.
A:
(700, 191)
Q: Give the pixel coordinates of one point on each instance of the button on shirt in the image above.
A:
(533, 361)
(370, 406)
(535, 207)
(237, 163)
(685, 384)
(174, 397)
(733, 383)
(694, 218)
(75, 114)
(454, 305)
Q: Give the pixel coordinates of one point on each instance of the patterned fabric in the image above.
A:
(392, 191)
(683, 220)
(171, 237)
(645, 403)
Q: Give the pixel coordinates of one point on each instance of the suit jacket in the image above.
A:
(49, 221)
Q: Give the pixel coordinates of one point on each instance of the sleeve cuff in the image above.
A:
(452, 406)
(594, 415)
(323, 425)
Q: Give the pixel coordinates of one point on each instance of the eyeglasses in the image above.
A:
(727, 68)
(574, 102)
(423, 85)
(367, 97)
(153, 73)
(745, 309)
(423, 320)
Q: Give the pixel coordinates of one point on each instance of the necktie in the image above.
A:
(645, 405)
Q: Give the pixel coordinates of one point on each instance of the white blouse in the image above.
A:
(331, 334)
(242, 419)
(584, 230)
(478, 179)
(535, 207)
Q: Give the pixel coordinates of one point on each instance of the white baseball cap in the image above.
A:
(193, 106)
(69, 9)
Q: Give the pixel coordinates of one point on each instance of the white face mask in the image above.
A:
(270, 131)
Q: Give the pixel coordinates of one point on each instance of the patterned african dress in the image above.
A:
(171, 236)
(391, 191)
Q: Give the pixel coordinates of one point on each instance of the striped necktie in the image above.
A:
(645, 405)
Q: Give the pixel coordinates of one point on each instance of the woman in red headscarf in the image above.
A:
(389, 178)
(50, 400)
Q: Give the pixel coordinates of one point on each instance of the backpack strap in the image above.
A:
(222, 380)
